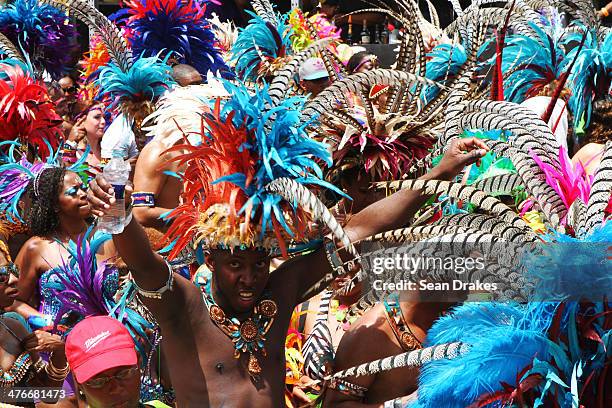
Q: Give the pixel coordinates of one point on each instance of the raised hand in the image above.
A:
(101, 195)
(461, 153)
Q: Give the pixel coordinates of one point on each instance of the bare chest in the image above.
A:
(207, 370)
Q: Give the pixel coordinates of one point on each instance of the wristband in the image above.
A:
(143, 199)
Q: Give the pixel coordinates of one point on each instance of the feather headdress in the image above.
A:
(261, 47)
(245, 146)
(41, 31)
(226, 34)
(135, 91)
(93, 60)
(16, 173)
(536, 62)
(27, 113)
(592, 77)
(176, 27)
(302, 36)
(179, 113)
(85, 287)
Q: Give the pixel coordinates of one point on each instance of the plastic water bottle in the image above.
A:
(117, 173)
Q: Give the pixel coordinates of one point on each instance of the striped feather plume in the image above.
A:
(414, 358)
(9, 50)
(461, 192)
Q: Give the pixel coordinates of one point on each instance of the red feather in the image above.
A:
(218, 156)
(497, 87)
(27, 113)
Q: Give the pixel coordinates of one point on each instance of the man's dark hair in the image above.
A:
(42, 216)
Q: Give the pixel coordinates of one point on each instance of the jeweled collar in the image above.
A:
(248, 336)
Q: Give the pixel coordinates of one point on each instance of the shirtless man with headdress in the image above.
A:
(243, 309)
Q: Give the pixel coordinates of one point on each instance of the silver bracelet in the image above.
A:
(157, 294)
(395, 403)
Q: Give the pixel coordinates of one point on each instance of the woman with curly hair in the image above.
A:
(57, 213)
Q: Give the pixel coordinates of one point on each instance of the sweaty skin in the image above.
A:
(150, 177)
(195, 347)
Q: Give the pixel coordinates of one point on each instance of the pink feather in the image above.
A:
(570, 182)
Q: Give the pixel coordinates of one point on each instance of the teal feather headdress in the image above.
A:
(246, 145)
(260, 45)
(146, 80)
(591, 78)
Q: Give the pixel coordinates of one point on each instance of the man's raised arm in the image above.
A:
(391, 212)
(149, 269)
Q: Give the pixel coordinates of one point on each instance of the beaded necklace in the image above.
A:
(248, 336)
(400, 328)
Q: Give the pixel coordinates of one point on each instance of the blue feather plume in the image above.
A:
(176, 27)
(41, 31)
(566, 268)
(502, 344)
(147, 79)
(591, 77)
(444, 62)
(260, 42)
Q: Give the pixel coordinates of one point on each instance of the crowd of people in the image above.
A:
(274, 169)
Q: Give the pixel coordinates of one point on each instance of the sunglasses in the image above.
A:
(124, 374)
(70, 90)
(72, 191)
(6, 271)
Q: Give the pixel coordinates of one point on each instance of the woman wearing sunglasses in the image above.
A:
(104, 362)
(20, 362)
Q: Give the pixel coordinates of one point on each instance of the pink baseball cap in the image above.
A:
(97, 344)
(313, 68)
